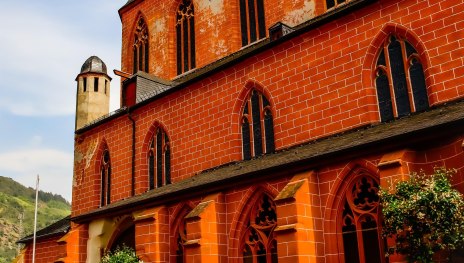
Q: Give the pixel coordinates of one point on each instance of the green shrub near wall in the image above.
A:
(424, 215)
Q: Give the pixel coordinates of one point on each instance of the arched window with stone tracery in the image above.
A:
(185, 36)
(359, 221)
(257, 126)
(258, 243)
(140, 47)
(252, 21)
(159, 160)
(400, 79)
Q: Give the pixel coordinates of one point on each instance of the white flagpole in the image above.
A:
(35, 218)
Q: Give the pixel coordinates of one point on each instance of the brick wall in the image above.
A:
(319, 83)
(47, 250)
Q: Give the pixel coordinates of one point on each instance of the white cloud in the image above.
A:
(54, 168)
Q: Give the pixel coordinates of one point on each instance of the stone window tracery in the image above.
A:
(257, 126)
(258, 242)
(159, 160)
(399, 80)
(253, 24)
(185, 36)
(140, 47)
(360, 221)
(105, 194)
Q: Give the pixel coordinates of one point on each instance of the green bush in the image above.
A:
(424, 215)
(121, 255)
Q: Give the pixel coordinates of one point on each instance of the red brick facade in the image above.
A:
(320, 83)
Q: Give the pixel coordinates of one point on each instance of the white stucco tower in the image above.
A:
(93, 92)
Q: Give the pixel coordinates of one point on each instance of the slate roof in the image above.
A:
(149, 86)
(415, 129)
(61, 227)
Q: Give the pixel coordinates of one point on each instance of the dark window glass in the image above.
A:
(179, 48)
(135, 57)
(398, 77)
(159, 158)
(95, 84)
(370, 238)
(167, 160)
(108, 187)
(151, 167)
(257, 129)
(106, 86)
(146, 57)
(400, 80)
(384, 96)
(185, 37)
(419, 89)
(141, 47)
(105, 195)
(269, 131)
(243, 22)
(85, 84)
(261, 20)
(252, 21)
(256, 115)
(246, 139)
(103, 184)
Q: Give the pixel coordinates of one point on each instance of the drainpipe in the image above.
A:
(133, 151)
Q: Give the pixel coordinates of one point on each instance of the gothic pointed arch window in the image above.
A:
(257, 126)
(140, 47)
(105, 172)
(253, 24)
(159, 160)
(258, 243)
(185, 37)
(359, 221)
(399, 80)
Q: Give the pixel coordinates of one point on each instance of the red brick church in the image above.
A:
(260, 131)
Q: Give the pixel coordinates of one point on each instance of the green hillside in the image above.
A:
(16, 199)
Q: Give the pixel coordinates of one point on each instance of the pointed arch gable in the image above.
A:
(373, 51)
(248, 201)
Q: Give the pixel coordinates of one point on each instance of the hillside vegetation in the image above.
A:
(16, 200)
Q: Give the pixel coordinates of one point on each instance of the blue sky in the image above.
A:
(43, 44)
